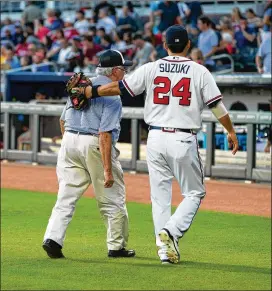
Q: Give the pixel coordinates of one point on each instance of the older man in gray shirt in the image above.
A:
(88, 156)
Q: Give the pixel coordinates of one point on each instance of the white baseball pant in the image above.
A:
(172, 155)
(79, 165)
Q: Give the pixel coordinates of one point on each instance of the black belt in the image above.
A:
(82, 133)
(172, 130)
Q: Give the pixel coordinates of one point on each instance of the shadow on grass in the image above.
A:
(152, 262)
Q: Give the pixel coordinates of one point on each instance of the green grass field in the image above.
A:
(220, 252)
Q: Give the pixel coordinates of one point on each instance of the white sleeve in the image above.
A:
(135, 82)
(209, 89)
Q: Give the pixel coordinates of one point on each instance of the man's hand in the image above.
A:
(260, 70)
(87, 91)
(233, 142)
(108, 179)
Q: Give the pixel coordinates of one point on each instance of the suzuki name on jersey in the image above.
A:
(174, 68)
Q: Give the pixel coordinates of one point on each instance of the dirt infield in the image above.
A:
(252, 199)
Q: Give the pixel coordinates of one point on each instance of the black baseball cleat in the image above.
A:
(53, 249)
(123, 253)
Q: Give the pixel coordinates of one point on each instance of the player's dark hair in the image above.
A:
(177, 48)
(205, 19)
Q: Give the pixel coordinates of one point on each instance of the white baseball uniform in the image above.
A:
(176, 91)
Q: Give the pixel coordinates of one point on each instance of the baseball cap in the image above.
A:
(176, 34)
(112, 58)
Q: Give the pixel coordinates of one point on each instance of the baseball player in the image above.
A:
(177, 89)
(88, 156)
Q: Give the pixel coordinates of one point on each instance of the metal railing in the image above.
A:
(224, 71)
(247, 172)
(32, 68)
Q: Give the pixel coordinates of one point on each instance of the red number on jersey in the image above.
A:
(164, 90)
(181, 90)
(185, 94)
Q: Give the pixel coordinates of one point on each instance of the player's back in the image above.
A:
(176, 90)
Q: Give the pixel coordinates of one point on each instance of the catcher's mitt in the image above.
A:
(77, 97)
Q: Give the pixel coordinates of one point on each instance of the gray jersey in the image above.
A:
(95, 118)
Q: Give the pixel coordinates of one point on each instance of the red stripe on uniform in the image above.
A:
(213, 99)
(127, 87)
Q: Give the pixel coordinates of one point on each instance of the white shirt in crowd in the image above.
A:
(64, 52)
(82, 26)
(106, 23)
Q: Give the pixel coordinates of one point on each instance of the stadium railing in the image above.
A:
(249, 171)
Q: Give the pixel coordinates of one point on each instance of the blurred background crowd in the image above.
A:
(74, 43)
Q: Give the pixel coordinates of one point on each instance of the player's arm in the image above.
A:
(105, 143)
(62, 129)
(220, 112)
(132, 85)
(213, 99)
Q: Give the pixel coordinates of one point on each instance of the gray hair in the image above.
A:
(104, 71)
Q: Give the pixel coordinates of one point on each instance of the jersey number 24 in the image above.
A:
(181, 90)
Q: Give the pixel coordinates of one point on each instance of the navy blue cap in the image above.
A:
(176, 35)
(113, 58)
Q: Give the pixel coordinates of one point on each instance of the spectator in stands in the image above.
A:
(169, 14)
(8, 36)
(53, 20)
(236, 17)
(80, 66)
(38, 59)
(65, 50)
(207, 41)
(118, 44)
(31, 12)
(227, 44)
(22, 48)
(195, 13)
(82, 24)
(100, 33)
(47, 42)
(184, 11)
(104, 5)
(7, 25)
(25, 61)
(3, 56)
(197, 56)
(252, 19)
(267, 20)
(245, 37)
(135, 15)
(105, 21)
(155, 39)
(144, 50)
(106, 42)
(30, 33)
(11, 60)
(152, 16)
(19, 34)
(126, 23)
(159, 51)
(263, 57)
(31, 50)
(90, 49)
(40, 30)
(93, 32)
(76, 41)
(69, 29)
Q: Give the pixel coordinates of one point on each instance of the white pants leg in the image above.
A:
(73, 181)
(111, 201)
(168, 155)
(79, 164)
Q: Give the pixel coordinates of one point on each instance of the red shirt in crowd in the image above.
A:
(70, 32)
(90, 52)
(21, 49)
(42, 32)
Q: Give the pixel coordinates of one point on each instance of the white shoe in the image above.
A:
(172, 251)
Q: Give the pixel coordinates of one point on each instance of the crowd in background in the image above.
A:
(74, 43)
